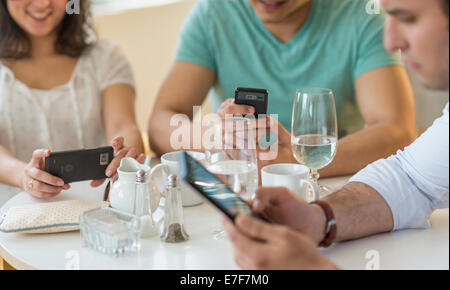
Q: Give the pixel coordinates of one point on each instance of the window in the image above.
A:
(103, 7)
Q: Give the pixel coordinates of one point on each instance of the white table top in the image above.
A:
(410, 249)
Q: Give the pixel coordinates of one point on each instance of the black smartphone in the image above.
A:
(80, 165)
(257, 98)
(212, 188)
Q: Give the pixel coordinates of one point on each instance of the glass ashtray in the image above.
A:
(110, 231)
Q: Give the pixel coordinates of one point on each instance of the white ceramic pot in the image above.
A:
(122, 194)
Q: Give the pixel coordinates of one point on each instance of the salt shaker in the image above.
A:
(142, 206)
(174, 231)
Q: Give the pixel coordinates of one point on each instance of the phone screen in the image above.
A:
(212, 188)
(257, 98)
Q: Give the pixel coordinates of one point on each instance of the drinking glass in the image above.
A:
(233, 159)
(314, 130)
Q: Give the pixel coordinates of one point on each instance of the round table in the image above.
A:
(409, 249)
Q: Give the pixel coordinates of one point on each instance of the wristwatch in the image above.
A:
(331, 230)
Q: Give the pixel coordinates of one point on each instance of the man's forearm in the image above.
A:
(161, 131)
(358, 150)
(10, 168)
(360, 211)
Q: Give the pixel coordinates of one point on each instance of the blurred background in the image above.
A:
(147, 31)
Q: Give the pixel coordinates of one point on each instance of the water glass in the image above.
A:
(234, 158)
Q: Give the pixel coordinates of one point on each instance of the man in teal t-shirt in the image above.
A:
(286, 45)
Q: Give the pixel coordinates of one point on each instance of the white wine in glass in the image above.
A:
(314, 151)
(314, 130)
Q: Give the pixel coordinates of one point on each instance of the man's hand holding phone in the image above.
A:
(229, 107)
(289, 242)
(258, 245)
(284, 207)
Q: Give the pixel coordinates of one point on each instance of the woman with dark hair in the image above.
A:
(59, 90)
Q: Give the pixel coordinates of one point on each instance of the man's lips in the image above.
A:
(413, 65)
(271, 5)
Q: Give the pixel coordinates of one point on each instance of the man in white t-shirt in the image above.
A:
(391, 194)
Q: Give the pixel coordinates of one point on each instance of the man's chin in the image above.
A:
(272, 21)
(435, 84)
(272, 18)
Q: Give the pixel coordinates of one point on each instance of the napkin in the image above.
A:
(51, 217)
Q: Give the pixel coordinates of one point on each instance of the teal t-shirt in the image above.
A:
(338, 42)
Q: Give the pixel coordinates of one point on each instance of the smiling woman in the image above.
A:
(59, 91)
(72, 39)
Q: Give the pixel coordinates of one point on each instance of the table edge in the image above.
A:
(13, 261)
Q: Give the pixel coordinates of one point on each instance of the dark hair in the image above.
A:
(445, 5)
(73, 37)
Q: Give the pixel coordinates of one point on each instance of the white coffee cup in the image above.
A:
(290, 175)
(169, 165)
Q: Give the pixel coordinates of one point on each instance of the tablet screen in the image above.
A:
(211, 187)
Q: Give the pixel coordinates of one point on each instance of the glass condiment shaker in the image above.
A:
(174, 231)
(143, 208)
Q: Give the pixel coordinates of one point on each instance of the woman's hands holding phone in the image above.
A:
(120, 152)
(39, 183)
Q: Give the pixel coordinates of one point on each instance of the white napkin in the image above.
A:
(52, 217)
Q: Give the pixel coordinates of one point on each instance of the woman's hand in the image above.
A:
(39, 183)
(120, 152)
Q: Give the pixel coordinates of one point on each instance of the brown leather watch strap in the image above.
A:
(331, 230)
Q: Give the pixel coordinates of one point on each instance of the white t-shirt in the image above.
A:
(67, 117)
(414, 182)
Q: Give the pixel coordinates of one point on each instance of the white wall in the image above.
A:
(149, 36)
(107, 7)
(429, 104)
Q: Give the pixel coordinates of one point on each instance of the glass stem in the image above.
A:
(314, 176)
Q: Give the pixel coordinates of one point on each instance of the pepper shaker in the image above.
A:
(174, 230)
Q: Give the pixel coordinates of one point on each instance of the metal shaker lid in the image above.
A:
(141, 175)
(172, 180)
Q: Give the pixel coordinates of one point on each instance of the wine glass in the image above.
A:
(234, 161)
(314, 130)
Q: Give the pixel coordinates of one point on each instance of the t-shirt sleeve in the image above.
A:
(113, 67)
(371, 52)
(195, 45)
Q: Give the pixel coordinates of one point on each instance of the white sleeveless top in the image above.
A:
(67, 117)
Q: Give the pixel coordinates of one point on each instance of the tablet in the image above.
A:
(212, 188)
